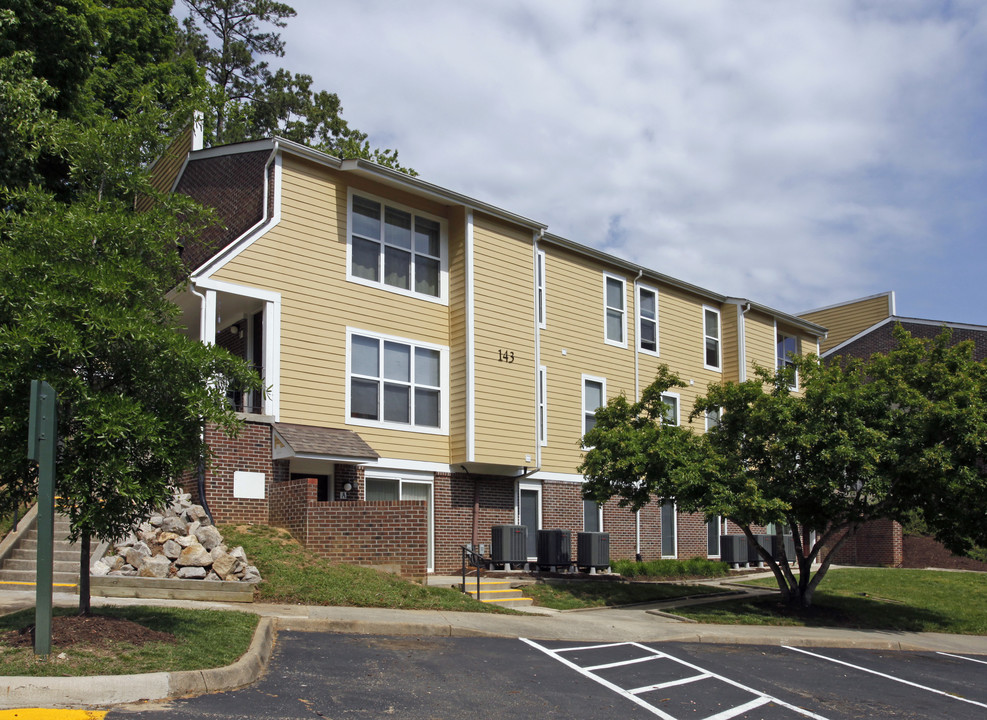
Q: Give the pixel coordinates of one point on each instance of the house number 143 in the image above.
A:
(506, 356)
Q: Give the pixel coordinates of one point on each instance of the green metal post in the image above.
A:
(41, 448)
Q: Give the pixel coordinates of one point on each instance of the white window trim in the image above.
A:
(443, 298)
(541, 291)
(778, 337)
(443, 350)
(582, 403)
(657, 350)
(543, 404)
(599, 510)
(678, 406)
(675, 532)
(421, 478)
(623, 310)
(719, 340)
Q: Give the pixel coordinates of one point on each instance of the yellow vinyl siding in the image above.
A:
(304, 259)
(575, 322)
(680, 317)
(457, 337)
(846, 320)
(730, 346)
(504, 320)
(760, 342)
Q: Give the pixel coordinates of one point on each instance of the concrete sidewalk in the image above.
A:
(640, 623)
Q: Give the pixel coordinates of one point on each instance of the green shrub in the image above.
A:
(693, 567)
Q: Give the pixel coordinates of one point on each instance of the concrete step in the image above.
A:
(498, 592)
(57, 555)
(58, 565)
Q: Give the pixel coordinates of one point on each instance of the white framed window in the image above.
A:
(711, 338)
(395, 248)
(647, 312)
(712, 419)
(540, 286)
(592, 516)
(786, 347)
(405, 485)
(713, 532)
(669, 531)
(396, 383)
(542, 405)
(594, 396)
(614, 310)
(672, 409)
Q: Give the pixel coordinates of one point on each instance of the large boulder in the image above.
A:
(156, 566)
(195, 555)
(208, 536)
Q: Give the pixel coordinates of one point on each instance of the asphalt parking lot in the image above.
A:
(328, 675)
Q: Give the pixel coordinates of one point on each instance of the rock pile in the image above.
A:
(177, 542)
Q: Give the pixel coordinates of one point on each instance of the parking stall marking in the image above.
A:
(653, 654)
(962, 657)
(889, 677)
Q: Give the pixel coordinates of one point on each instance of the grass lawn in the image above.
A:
(202, 639)
(292, 574)
(871, 598)
(587, 593)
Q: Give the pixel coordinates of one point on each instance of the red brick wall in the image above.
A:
(364, 533)
(371, 533)
(250, 452)
(878, 542)
(453, 497)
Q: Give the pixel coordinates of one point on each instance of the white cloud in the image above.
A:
(794, 153)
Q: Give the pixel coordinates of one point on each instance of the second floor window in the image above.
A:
(395, 248)
(711, 338)
(788, 347)
(647, 301)
(613, 296)
(594, 392)
(393, 383)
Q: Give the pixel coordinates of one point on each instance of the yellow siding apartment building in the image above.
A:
(432, 361)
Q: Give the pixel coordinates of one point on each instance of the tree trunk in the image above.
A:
(85, 600)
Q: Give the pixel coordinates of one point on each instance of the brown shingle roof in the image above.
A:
(308, 439)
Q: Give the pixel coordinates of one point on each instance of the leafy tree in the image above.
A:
(859, 441)
(84, 280)
(247, 100)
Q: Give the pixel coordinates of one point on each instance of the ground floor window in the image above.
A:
(399, 488)
(713, 532)
(592, 516)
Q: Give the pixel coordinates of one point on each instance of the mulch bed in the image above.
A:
(95, 631)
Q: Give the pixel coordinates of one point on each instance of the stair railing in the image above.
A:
(474, 559)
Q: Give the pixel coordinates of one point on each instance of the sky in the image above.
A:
(798, 154)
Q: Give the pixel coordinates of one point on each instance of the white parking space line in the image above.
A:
(670, 683)
(889, 677)
(961, 657)
(594, 668)
(631, 694)
(740, 709)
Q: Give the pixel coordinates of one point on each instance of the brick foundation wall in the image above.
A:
(250, 452)
(453, 497)
(878, 542)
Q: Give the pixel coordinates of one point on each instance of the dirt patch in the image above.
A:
(920, 551)
(97, 631)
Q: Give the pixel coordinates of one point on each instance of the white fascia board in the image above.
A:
(235, 149)
(558, 477)
(412, 465)
(234, 289)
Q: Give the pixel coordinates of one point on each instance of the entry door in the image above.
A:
(529, 515)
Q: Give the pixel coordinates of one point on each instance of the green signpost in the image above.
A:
(41, 448)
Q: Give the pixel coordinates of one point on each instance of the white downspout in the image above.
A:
(637, 396)
(742, 311)
(539, 390)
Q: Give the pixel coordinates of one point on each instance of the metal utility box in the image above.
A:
(733, 549)
(753, 556)
(509, 544)
(554, 548)
(593, 549)
(783, 541)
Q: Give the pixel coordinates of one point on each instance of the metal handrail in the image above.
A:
(476, 560)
